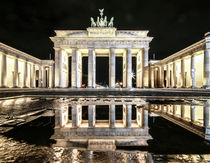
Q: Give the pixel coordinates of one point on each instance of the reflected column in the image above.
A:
(192, 113)
(206, 114)
(128, 115)
(112, 116)
(91, 116)
(76, 115)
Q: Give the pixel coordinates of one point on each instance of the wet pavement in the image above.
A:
(30, 142)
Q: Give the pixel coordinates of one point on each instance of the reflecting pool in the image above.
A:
(111, 129)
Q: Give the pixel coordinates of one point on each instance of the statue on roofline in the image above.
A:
(102, 22)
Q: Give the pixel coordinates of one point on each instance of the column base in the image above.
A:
(4, 86)
(129, 87)
(25, 87)
(206, 86)
(15, 87)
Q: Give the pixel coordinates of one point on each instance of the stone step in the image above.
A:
(101, 144)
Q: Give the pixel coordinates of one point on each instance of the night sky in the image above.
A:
(174, 24)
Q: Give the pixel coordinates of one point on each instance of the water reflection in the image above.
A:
(117, 126)
(194, 118)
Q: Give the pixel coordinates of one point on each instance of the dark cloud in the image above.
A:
(27, 25)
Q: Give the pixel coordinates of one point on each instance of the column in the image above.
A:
(207, 61)
(149, 75)
(4, 71)
(206, 116)
(91, 116)
(73, 68)
(91, 68)
(124, 68)
(182, 73)
(40, 76)
(44, 78)
(182, 111)
(112, 116)
(112, 68)
(168, 75)
(50, 76)
(162, 77)
(152, 77)
(174, 75)
(145, 118)
(193, 71)
(15, 79)
(58, 67)
(25, 79)
(129, 68)
(145, 57)
(34, 76)
(192, 113)
(138, 69)
(128, 115)
(76, 116)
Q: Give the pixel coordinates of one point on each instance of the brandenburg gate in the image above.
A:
(100, 40)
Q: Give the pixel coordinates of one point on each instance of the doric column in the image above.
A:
(112, 116)
(40, 76)
(34, 76)
(207, 60)
(51, 76)
(58, 67)
(152, 77)
(128, 115)
(15, 79)
(168, 75)
(124, 68)
(91, 68)
(76, 116)
(174, 75)
(25, 79)
(182, 73)
(129, 68)
(145, 118)
(73, 68)
(112, 68)
(206, 116)
(145, 57)
(4, 71)
(44, 78)
(138, 69)
(149, 75)
(182, 111)
(193, 71)
(192, 113)
(91, 116)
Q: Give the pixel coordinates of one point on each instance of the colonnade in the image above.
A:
(141, 120)
(188, 68)
(61, 67)
(20, 70)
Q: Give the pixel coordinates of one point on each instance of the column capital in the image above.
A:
(57, 48)
(146, 48)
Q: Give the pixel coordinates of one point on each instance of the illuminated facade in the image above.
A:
(188, 68)
(100, 42)
(21, 70)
